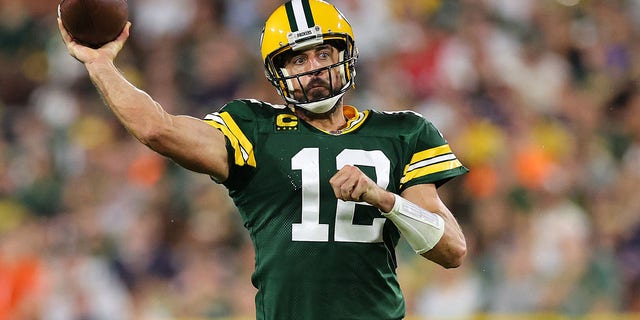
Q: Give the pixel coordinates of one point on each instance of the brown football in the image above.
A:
(94, 22)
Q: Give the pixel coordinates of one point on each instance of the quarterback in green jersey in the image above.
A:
(325, 189)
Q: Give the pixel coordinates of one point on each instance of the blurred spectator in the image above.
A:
(541, 95)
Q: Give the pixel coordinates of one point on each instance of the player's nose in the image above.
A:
(315, 64)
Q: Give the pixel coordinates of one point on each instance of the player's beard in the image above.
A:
(317, 89)
(321, 88)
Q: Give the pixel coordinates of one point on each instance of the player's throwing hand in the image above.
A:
(86, 54)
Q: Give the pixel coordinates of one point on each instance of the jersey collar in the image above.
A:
(355, 119)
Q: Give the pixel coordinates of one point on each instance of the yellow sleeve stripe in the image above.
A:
(430, 153)
(430, 161)
(238, 158)
(243, 149)
(434, 168)
(245, 144)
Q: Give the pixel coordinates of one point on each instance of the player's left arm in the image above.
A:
(451, 249)
(419, 213)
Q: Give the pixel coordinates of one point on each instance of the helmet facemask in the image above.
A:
(345, 69)
(340, 76)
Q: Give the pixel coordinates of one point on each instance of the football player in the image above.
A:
(325, 189)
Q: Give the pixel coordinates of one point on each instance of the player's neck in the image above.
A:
(330, 121)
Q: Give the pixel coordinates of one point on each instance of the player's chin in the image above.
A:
(317, 93)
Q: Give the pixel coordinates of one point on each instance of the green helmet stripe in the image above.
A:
(307, 13)
(302, 10)
(292, 17)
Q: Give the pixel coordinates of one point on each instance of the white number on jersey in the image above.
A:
(310, 228)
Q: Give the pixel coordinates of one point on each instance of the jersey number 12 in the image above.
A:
(310, 228)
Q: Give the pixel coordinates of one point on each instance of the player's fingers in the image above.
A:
(344, 174)
(356, 193)
(365, 190)
(350, 184)
(65, 34)
(343, 189)
(123, 36)
(116, 45)
(336, 191)
(354, 188)
(338, 177)
(336, 186)
(342, 186)
(337, 181)
(346, 191)
(68, 40)
(345, 183)
(125, 32)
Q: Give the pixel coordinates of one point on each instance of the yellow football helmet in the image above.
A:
(299, 25)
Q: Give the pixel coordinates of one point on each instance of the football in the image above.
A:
(93, 22)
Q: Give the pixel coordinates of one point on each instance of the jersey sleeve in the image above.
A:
(431, 159)
(236, 120)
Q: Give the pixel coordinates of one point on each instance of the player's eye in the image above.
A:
(299, 60)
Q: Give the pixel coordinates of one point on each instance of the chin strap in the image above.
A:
(321, 106)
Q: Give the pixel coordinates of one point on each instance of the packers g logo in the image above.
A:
(286, 122)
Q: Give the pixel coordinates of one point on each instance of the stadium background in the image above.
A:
(538, 98)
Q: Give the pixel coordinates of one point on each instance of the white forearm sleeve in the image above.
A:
(422, 229)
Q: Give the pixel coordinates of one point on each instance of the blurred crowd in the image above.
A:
(539, 98)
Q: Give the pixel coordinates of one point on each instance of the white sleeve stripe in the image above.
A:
(428, 162)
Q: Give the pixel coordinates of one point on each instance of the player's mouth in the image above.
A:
(317, 93)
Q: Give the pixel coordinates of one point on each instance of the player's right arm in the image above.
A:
(189, 141)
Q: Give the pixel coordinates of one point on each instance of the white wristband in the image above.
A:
(422, 229)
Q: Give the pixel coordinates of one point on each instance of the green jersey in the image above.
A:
(317, 257)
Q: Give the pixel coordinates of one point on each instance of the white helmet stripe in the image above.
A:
(298, 11)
